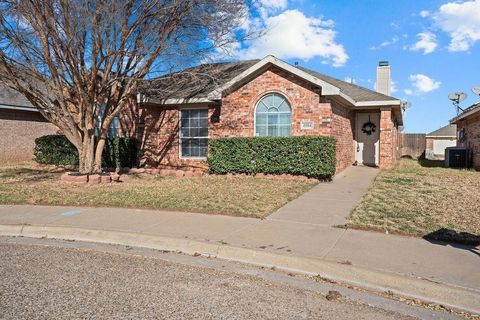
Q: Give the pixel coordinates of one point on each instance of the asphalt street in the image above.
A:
(49, 282)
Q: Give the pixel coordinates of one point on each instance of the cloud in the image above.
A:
(274, 4)
(393, 86)
(291, 34)
(428, 43)
(350, 80)
(408, 92)
(269, 7)
(424, 13)
(386, 43)
(461, 21)
(422, 84)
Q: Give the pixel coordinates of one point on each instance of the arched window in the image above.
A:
(273, 116)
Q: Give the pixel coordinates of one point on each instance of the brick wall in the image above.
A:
(343, 128)
(429, 144)
(18, 131)
(237, 110)
(234, 117)
(159, 142)
(388, 138)
(472, 137)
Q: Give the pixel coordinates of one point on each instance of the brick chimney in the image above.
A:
(384, 84)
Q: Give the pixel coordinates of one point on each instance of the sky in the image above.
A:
(433, 47)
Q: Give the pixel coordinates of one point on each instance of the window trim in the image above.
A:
(255, 112)
(182, 157)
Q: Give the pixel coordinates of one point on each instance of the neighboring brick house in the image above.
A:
(468, 132)
(437, 141)
(20, 125)
(268, 97)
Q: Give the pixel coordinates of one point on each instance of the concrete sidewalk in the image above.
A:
(368, 259)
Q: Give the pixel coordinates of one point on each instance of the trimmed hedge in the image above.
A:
(58, 150)
(120, 153)
(307, 156)
(55, 149)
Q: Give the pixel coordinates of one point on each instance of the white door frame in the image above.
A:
(375, 118)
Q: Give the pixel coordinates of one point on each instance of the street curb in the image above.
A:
(463, 299)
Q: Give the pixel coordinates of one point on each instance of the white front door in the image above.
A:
(367, 138)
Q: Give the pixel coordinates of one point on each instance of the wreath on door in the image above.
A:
(369, 127)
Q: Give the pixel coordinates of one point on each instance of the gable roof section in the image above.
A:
(14, 100)
(449, 130)
(193, 84)
(470, 111)
(327, 88)
(210, 82)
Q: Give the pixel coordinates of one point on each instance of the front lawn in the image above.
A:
(422, 198)
(251, 197)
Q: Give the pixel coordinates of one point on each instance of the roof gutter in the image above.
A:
(465, 115)
(377, 103)
(143, 99)
(21, 108)
(447, 137)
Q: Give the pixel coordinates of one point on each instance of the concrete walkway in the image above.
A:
(300, 230)
(329, 204)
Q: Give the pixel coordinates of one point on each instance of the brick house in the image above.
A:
(468, 132)
(20, 125)
(179, 112)
(437, 141)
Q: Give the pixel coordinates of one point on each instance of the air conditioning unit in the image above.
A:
(456, 157)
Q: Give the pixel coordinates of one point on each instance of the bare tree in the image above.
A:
(80, 61)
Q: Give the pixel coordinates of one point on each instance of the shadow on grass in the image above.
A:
(460, 240)
(431, 163)
(28, 174)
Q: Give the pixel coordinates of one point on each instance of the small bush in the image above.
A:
(120, 152)
(307, 156)
(56, 149)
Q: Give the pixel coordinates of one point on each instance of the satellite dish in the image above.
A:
(476, 90)
(457, 97)
(406, 105)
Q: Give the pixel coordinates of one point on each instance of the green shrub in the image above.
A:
(120, 153)
(308, 156)
(56, 149)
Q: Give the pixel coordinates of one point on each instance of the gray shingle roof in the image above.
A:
(198, 82)
(13, 98)
(354, 91)
(468, 112)
(447, 131)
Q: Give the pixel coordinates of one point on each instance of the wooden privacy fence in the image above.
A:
(411, 144)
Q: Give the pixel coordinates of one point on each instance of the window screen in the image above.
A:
(194, 133)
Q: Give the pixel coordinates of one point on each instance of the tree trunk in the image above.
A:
(87, 155)
(98, 155)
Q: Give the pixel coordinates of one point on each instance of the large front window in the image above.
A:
(273, 116)
(194, 133)
(113, 129)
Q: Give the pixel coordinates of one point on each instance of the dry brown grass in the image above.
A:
(418, 199)
(252, 197)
